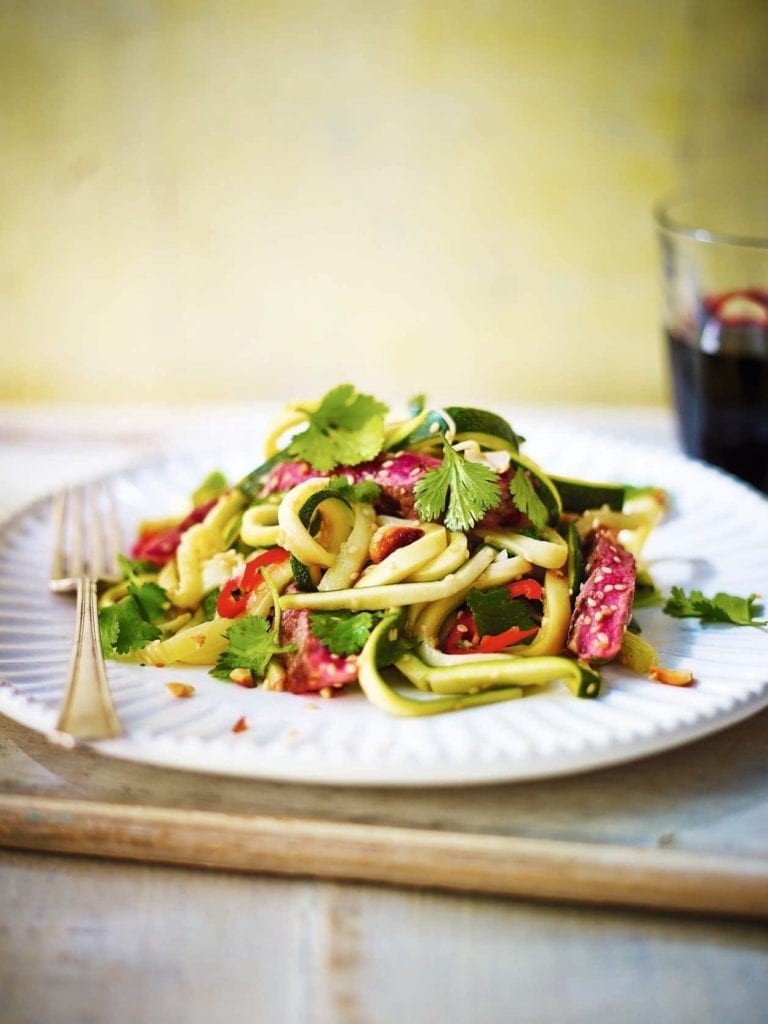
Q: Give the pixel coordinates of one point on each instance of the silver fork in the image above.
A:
(85, 549)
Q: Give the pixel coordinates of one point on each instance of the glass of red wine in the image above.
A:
(715, 315)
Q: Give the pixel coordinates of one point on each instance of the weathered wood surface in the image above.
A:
(687, 830)
(85, 942)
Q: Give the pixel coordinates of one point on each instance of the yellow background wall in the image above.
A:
(202, 201)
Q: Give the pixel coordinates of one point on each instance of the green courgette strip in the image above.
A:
(481, 674)
(299, 523)
(578, 495)
(380, 693)
(457, 686)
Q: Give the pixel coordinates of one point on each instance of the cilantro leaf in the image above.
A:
(250, 645)
(526, 499)
(494, 611)
(134, 567)
(739, 611)
(346, 428)
(464, 490)
(343, 632)
(152, 600)
(122, 628)
(366, 492)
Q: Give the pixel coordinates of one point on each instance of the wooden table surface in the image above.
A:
(118, 935)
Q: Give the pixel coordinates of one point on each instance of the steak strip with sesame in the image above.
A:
(604, 603)
(312, 667)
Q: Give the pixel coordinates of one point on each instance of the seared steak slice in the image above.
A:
(604, 603)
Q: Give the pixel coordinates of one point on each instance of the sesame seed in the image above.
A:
(603, 638)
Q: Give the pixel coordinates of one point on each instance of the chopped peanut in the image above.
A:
(670, 676)
(241, 676)
(180, 689)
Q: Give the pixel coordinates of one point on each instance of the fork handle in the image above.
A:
(87, 711)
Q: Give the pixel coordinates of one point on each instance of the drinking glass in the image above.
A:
(715, 318)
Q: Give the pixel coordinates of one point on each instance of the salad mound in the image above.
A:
(427, 560)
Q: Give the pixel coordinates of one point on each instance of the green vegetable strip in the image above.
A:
(387, 699)
(396, 595)
(478, 676)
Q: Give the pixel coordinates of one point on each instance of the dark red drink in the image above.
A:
(720, 379)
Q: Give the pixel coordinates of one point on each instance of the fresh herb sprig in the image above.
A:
(252, 642)
(739, 611)
(344, 633)
(131, 623)
(495, 611)
(346, 428)
(526, 499)
(250, 645)
(123, 628)
(464, 491)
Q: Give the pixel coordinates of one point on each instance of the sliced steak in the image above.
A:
(604, 603)
(311, 667)
(396, 475)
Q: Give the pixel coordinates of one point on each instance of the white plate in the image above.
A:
(715, 539)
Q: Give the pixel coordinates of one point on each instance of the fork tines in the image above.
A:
(87, 536)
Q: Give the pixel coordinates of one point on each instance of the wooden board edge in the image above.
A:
(650, 878)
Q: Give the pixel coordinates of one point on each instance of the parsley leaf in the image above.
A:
(464, 490)
(343, 632)
(740, 611)
(346, 428)
(494, 611)
(250, 645)
(122, 628)
(527, 500)
(366, 492)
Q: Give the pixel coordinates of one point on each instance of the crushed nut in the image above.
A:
(180, 689)
(241, 676)
(670, 676)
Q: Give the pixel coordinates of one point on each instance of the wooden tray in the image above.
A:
(684, 831)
